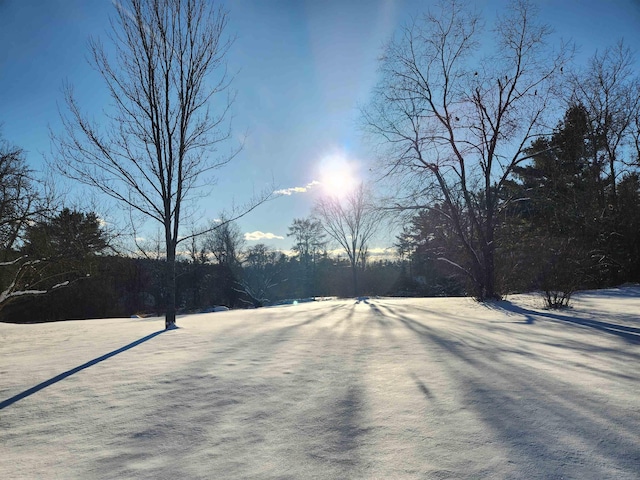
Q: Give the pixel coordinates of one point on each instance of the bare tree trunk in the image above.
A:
(354, 272)
(170, 286)
(489, 290)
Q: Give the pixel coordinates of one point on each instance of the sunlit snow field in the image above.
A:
(383, 388)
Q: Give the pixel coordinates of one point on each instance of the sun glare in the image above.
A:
(337, 175)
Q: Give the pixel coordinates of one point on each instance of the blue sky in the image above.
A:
(303, 67)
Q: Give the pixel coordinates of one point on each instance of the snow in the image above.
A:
(384, 388)
(62, 284)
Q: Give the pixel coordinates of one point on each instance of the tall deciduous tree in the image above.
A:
(225, 242)
(20, 199)
(455, 121)
(609, 91)
(351, 221)
(169, 91)
(23, 202)
(309, 238)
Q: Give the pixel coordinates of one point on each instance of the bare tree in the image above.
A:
(24, 201)
(609, 91)
(352, 222)
(453, 123)
(225, 242)
(16, 200)
(169, 87)
(309, 239)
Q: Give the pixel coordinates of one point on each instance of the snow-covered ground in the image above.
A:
(385, 388)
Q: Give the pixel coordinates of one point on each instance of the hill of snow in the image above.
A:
(383, 388)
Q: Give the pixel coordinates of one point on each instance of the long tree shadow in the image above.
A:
(539, 421)
(631, 334)
(318, 400)
(68, 373)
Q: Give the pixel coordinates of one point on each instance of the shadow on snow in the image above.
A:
(538, 420)
(630, 334)
(75, 370)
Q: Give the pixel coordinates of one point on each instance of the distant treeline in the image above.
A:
(121, 287)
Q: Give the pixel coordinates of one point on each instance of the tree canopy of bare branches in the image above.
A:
(225, 241)
(453, 121)
(309, 236)
(309, 240)
(24, 202)
(352, 222)
(17, 197)
(168, 85)
(609, 91)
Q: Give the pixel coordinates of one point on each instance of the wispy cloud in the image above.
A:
(258, 235)
(292, 190)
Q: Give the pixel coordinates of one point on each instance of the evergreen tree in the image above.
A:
(564, 229)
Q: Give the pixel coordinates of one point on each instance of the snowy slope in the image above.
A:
(388, 388)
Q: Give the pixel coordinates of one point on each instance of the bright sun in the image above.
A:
(337, 175)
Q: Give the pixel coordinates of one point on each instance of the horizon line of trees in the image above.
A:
(80, 276)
